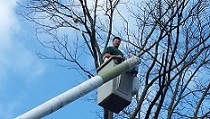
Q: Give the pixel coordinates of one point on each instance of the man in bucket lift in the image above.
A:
(116, 94)
(114, 51)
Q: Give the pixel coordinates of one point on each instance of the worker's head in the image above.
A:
(116, 42)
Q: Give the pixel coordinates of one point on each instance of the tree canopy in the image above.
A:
(173, 34)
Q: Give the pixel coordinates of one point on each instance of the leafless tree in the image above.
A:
(173, 35)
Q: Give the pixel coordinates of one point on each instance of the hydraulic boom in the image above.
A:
(82, 89)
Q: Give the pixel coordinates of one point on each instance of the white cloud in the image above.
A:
(8, 21)
(18, 62)
(15, 56)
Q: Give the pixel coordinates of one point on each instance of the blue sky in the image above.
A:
(27, 81)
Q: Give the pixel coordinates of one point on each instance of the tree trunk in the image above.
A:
(108, 114)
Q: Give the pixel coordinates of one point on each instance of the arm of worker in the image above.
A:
(107, 55)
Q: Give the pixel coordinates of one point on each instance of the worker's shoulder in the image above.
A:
(109, 48)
